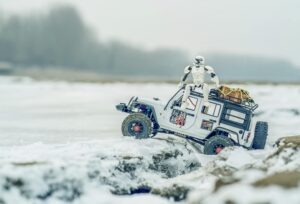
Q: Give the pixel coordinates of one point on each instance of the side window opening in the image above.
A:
(207, 125)
(178, 101)
(192, 102)
(178, 118)
(213, 109)
(235, 116)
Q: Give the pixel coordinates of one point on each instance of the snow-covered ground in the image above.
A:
(61, 143)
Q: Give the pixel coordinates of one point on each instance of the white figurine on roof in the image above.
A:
(198, 71)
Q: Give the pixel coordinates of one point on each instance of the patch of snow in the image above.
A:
(61, 143)
(244, 194)
(67, 173)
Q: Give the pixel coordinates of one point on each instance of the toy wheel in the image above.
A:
(137, 125)
(260, 135)
(216, 144)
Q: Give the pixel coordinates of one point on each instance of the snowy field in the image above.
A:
(61, 143)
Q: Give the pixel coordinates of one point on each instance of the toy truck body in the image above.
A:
(222, 123)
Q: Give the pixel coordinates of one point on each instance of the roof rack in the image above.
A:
(248, 104)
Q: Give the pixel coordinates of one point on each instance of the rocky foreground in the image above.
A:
(148, 171)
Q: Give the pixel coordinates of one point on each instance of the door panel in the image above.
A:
(183, 118)
(208, 118)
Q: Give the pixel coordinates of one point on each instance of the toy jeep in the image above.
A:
(224, 122)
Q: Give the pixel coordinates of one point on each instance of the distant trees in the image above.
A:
(246, 67)
(61, 39)
(57, 39)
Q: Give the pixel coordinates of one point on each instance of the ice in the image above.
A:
(61, 143)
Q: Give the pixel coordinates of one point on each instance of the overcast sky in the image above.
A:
(259, 27)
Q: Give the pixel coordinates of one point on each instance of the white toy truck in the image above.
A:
(221, 124)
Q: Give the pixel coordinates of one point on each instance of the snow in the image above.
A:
(244, 194)
(61, 143)
(65, 172)
(238, 158)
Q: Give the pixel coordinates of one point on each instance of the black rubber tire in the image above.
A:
(214, 142)
(137, 118)
(260, 135)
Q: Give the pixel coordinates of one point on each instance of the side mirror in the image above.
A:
(175, 103)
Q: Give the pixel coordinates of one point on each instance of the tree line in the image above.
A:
(61, 39)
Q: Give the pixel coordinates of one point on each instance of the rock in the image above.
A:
(121, 167)
(162, 162)
(221, 182)
(176, 192)
(290, 140)
(223, 171)
(283, 179)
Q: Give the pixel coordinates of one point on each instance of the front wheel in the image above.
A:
(216, 144)
(137, 125)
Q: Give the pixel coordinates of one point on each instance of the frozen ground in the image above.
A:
(61, 143)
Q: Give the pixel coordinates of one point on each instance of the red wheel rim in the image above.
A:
(218, 150)
(137, 128)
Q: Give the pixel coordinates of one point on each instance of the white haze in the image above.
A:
(268, 28)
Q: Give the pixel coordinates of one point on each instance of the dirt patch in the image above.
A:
(293, 140)
(283, 179)
(224, 182)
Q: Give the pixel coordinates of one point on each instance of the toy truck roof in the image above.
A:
(215, 95)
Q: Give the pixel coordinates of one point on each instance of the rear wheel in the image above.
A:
(260, 135)
(137, 125)
(216, 144)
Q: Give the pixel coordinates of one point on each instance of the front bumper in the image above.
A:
(122, 107)
(126, 107)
